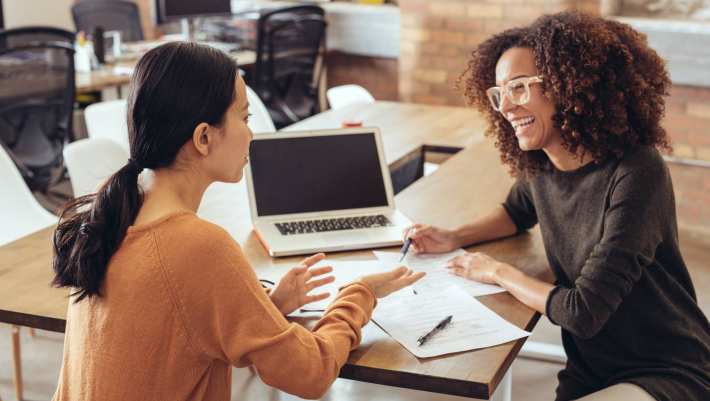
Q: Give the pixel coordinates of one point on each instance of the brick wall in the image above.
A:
(377, 75)
(437, 38)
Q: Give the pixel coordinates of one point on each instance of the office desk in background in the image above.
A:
(115, 75)
(465, 186)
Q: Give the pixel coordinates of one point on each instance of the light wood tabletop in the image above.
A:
(467, 185)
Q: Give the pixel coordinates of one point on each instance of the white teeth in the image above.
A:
(522, 122)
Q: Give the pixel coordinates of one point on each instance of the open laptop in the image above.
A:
(325, 190)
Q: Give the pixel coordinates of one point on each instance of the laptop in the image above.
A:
(321, 191)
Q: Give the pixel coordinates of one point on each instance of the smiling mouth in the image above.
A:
(522, 122)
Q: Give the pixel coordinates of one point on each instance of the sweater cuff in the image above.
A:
(549, 308)
(367, 288)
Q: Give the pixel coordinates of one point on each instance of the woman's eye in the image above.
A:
(517, 87)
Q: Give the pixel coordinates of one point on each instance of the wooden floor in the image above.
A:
(532, 380)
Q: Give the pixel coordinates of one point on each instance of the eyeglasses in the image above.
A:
(516, 90)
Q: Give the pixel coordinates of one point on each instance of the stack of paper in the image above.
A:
(406, 317)
(437, 276)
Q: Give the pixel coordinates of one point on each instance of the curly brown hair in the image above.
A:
(607, 84)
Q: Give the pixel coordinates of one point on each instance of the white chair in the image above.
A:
(91, 161)
(108, 120)
(22, 215)
(19, 209)
(345, 95)
(260, 119)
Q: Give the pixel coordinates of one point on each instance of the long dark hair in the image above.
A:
(174, 88)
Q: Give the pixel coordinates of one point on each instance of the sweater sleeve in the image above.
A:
(520, 207)
(228, 316)
(633, 229)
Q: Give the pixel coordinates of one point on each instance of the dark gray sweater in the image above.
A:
(622, 296)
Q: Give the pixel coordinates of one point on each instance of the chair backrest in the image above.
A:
(19, 211)
(115, 15)
(36, 99)
(289, 57)
(108, 120)
(345, 95)
(91, 161)
(33, 34)
(259, 120)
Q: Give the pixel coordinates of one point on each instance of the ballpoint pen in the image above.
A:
(442, 324)
(405, 248)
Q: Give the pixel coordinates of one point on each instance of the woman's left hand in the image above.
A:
(476, 266)
(292, 290)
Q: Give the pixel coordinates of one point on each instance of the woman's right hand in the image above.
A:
(383, 284)
(430, 239)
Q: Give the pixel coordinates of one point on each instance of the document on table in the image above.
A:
(345, 272)
(406, 317)
(437, 275)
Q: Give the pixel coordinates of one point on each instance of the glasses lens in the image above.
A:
(494, 95)
(518, 92)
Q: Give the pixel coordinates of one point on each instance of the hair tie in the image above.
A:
(134, 165)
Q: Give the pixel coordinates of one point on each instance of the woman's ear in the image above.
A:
(201, 138)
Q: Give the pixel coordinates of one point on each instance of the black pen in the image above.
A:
(405, 248)
(442, 324)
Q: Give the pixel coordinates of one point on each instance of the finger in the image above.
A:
(454, 262)
(396, 273)
(295, 271)
(317, 297)
(414, 277)
(319, 271)
(457, 271)
(320, 282)
(419, 231)
(311, 260)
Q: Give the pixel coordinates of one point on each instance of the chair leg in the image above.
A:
(17, 361)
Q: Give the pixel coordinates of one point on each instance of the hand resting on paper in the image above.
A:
(476, 266)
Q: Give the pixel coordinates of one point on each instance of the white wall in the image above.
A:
(38, 12)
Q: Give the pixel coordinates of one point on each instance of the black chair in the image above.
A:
(289, 59)
(113, 15)
(36, 101)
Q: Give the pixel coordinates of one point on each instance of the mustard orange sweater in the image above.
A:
(179, 306)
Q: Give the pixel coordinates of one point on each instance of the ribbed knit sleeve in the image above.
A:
(520, 207)
(228, 316)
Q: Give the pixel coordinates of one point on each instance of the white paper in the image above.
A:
(406, 317)
(345, 272)
(437, 276)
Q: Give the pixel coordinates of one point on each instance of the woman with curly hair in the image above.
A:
(575, 103)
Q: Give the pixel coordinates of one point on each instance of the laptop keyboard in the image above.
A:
(343, 223)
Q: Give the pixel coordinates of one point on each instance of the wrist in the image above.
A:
(501, 271)
(458, 237)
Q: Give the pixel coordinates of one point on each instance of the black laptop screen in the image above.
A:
(317, 173)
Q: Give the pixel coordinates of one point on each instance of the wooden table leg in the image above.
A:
(17, 361)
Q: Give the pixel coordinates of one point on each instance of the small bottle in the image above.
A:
(82, 57)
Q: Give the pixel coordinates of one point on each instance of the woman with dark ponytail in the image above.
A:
(164, 303)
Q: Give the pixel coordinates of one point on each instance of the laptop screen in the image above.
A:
(316, 174)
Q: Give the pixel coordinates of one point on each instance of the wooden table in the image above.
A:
(465, 186)
(116, 75)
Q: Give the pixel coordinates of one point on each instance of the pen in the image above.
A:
(405, 248)
(442, 324)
